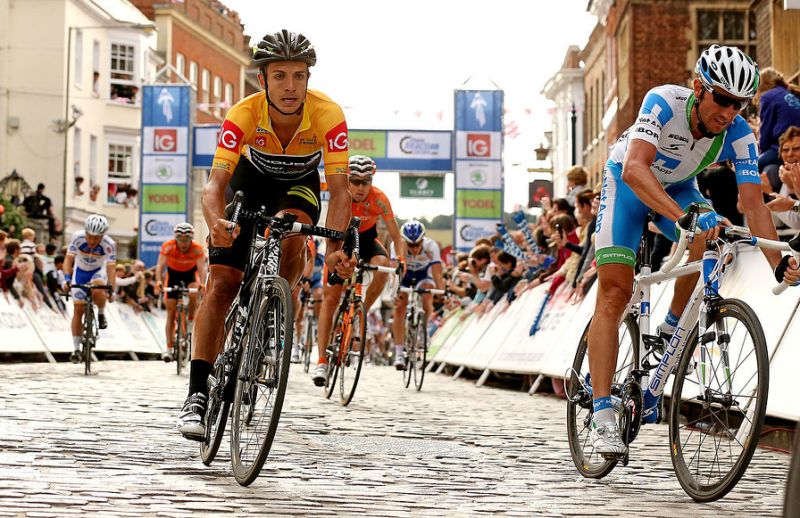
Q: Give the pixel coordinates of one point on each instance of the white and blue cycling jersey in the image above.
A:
(664, 121)
(90, 262)
(418, 265)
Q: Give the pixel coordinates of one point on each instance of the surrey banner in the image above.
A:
(479, 166)
(166, 120)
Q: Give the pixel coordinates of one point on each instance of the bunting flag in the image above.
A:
(511, 130)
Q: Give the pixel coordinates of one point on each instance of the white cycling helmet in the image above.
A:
(729, 69)
(96, 225)
(183, 229)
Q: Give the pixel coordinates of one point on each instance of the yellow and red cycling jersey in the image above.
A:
(248, 124)
(181, 261)
(375, 206)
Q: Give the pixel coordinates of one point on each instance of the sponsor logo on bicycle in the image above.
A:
(667, 362)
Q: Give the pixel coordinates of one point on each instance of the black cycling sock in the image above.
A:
(198, 377)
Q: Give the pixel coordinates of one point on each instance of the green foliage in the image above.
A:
(13, 219)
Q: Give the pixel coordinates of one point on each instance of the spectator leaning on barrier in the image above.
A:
(587, 221)
(786, 205)
(779, 108)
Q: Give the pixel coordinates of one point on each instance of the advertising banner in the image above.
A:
(421, 186)
(18, 334)
(368, 143)
(470, 230)
(204, 144)
(166, 119)
(479, 167)
(479, 175)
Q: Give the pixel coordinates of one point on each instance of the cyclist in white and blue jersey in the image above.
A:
(93, 255)
(423, 265)
(678, 133)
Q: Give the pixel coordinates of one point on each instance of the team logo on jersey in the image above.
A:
(337, 138)
(479, 145)
(261, 141)
(230, 136)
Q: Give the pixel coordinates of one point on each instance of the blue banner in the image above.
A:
(164, 188)
(479, 110)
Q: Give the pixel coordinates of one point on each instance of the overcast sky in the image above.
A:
(394, 65)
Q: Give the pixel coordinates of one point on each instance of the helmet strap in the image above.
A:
(707, 133)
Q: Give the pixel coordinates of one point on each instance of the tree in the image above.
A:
(12, 219)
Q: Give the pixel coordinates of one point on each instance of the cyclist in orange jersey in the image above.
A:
(184, 261)
(369, 204)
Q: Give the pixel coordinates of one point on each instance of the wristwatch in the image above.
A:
(796, 206)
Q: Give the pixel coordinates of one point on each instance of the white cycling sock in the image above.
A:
(398, 350)
(76, 342)
(101, 310)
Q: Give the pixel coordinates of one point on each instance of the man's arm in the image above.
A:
(201, 269)
(214, 209)
(637, 175)
(759, 218)
(338, 218)
(162, 262)
(397, 239)
(436, 270)
(111, 274)
(69, 261)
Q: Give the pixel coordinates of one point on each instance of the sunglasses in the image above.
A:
(725, 102)
(359, 183)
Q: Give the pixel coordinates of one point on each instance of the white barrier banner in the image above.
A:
(561, 357)
(782, 400)
(16, 333)
(441, 335)
(516, 355)
(141, 339)
(156, 322)
(462, 349)
(52, 327)
(487, 345)
(463, 322)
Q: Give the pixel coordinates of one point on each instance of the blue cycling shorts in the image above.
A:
(621, 216)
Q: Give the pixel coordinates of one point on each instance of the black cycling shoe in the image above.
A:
(75, 357)
(102, 323)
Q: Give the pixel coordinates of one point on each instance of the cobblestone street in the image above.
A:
(106, 446)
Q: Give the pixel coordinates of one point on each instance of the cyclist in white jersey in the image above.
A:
(93, 256)
(678, 133)
(423, 270)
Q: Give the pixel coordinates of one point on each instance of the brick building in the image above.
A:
(205, 42)
(639, 44)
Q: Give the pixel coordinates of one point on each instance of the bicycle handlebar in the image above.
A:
(180, 289)
(87, 287)
(383, 269)
(434, 291)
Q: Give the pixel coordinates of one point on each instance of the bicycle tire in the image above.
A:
(691, 475)
(88, 332)
(332, 354)
(177, 343)
(353, 360)
(420, 350)
(579, 401)
(218, 405)
(263, 369)
(791, 498)
(410, 351)
(308, 343)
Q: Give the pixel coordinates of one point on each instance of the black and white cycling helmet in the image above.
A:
(183, 229)
(361, 166)
(729, 69)
(284, 46)
(96, 225)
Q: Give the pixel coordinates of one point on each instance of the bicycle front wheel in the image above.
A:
(580, 409)
(719, 399)
(353, 354)
(332, 353)
(419, 353)
(308, 343)
(89, 337)
(408, 370)
(263, 374)
(177, 343)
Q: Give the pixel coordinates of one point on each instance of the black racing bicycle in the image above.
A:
(181, 340)
(90, 331)
(251, 372)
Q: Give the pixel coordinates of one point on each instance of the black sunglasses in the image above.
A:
(724, 101)
(360, 182)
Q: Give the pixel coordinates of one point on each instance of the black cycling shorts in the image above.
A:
(369, 246)
(276, 195)
(174, 279)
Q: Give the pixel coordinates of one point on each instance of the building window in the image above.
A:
(180, 63)
(736, 28)
(76, 162)
(217, 94)
(94, 187)
(95, 68)
(623, 70)
(193, 73)
(79, 58)
(123, 87)
(120, 173)
(206, 87)
(228, 95)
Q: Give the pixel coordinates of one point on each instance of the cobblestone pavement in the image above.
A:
(105, 446)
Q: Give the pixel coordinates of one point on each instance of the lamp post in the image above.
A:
(66, 122)
(574, 124)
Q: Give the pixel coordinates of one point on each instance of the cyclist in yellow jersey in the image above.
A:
(268, 147)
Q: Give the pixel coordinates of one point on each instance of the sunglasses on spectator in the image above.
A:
(726, 102)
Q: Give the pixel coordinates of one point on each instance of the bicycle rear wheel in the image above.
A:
(714, 430)
(263, 374)
(177, 343)
(589, 463)
(353, 355)
(89, 337)
(332, 353)
(219, 393)
(420, 351)
(410, 351)
(308, 343)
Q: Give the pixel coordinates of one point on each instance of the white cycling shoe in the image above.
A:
(606, 440)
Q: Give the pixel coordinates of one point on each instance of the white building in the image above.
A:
(70, 73)
(565, 88)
